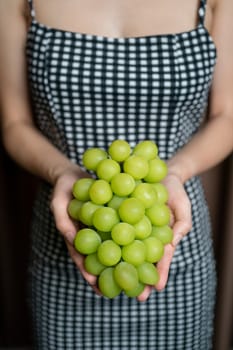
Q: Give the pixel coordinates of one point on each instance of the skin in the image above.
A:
(115, 18)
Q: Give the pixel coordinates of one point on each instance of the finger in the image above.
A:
(163, 266)
(64, 224)
(78, 259)
(145, 294)
(183, 221)
(96, 289)
(172, 218)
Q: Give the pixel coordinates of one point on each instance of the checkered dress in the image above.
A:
(88, 90)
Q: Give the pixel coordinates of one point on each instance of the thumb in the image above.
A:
(64, 223)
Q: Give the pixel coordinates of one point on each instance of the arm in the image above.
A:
(210, 145)
(215, 141)
(21, 139)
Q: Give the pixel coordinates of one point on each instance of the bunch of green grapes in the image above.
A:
(125, 216)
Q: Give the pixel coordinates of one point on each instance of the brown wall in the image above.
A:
(16, 195)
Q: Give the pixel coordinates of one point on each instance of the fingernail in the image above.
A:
(178, 237)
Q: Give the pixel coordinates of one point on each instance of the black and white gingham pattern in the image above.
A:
(88, 90)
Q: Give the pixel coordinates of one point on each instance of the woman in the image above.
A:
(64, 90)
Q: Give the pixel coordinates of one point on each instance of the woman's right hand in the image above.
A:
(62, 194)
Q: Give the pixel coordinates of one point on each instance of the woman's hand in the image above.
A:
(62, 194)
(181, 223)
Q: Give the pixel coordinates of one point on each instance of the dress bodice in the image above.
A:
(89, 89)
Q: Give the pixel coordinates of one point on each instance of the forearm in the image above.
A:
(31, 150)
(207, 148)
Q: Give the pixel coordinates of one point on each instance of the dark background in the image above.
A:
(17, 190)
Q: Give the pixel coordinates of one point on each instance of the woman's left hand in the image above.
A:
(181, 223)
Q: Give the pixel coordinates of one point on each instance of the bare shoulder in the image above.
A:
(219, 16)
(14, 19)
(212, 4)
(9, 6)
(222, 86)
(216, 5)
(13, 9)
(13, 73)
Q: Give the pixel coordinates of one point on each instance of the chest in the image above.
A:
(122, 18)
(95, 84)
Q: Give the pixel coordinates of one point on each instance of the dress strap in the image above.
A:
(202, 11)
(32, 9)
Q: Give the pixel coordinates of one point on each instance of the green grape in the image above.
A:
(81, 189)
(148, 273)
(105, 218)
(87, 241)
(131, 210)
(134, 253)
(119, 150)
(123, 233)
(107, 168)
(159, 214)
(146, 193)
(157, 170)
(135, 292)
(126, 275)
(137, 182)
(100, 192)
(93, 265)
(143, 228)
(122, 184)
(163, 233)
(74, 208)
(136, 166)
(87, 211)
(107, 284)
(115, 202)
(146, 149)
(92, 157)
(154, 249)
(161, 191)
(104, 235)
(109, 253)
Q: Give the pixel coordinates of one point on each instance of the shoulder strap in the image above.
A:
(32, 10)
(202, 11)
